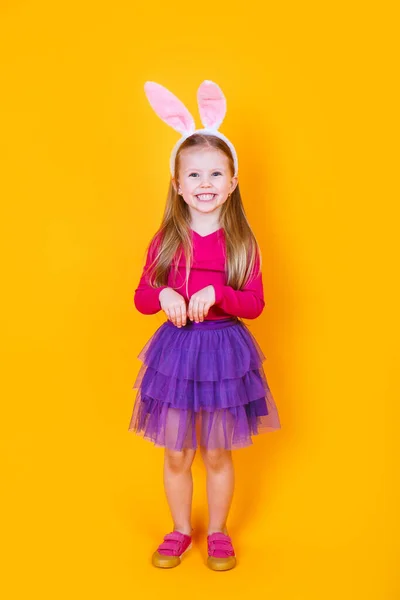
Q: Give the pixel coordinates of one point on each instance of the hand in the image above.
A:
(200, 303)
(174, 306)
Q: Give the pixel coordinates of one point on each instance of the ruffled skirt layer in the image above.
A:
(202, 384)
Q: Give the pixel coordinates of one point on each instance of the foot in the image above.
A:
(169, 553)
(221, 555)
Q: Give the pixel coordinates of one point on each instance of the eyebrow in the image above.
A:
(214, 169)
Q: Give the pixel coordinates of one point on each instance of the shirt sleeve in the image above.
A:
(247, 303)
(146, 298)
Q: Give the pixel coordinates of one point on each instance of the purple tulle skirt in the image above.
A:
(202, 384)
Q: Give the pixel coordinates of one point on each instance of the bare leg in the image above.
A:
(220, 487)
(178, 484)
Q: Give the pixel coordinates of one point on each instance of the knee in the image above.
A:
(179, 461)
(217, 459)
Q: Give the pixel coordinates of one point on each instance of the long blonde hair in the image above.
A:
(242, 250)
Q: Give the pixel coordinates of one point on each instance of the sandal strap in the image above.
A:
(220, 543)
(173, 543)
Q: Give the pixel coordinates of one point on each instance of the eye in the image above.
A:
(193, 174)
(217, 172)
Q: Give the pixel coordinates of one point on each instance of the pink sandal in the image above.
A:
(169, 553)
(221, 555)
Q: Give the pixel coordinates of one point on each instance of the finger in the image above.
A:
(178, 316)
(190, 309)
(183, 314)
(170, 312)
(173, 310)
(201, 311)
(196, 310)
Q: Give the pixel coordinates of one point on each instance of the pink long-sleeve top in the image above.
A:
(208, 268)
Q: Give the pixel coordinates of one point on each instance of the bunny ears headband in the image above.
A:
(212, 108)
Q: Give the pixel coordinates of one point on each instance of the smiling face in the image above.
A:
(205, 179)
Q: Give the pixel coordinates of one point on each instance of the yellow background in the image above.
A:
(312, 111)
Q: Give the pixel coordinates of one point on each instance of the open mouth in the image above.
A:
(205, 197)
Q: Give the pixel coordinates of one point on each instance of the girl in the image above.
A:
(202, 381)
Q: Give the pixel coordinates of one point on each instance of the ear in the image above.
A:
(212, 104)
(175, 183)
(169, 108)
(234, 182)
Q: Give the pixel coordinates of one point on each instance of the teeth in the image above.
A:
(206, 196)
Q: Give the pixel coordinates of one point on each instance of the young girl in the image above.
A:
(202, 382)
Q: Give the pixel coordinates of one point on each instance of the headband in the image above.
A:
(212, 109)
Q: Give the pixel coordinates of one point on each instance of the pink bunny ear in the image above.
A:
(212, 104)
(169, 108)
